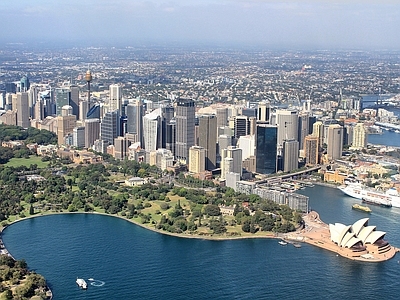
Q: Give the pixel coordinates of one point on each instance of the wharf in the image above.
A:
(317, 233)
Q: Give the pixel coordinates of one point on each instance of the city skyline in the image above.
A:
(312, 24)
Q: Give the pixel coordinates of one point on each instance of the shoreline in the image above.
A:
(189, 236)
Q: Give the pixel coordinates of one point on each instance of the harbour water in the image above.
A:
(387, 138)
(135, 263)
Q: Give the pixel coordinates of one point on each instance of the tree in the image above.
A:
(212, 210)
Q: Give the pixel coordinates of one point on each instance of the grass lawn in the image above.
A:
(17, 162)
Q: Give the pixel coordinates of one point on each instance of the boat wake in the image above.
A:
(95, 282)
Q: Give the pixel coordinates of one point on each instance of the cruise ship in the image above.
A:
(357, 190)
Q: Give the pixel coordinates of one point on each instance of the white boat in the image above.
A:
(390, 198)
(283, 243)
(81, 283)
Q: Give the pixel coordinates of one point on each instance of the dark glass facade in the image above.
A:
(266, 158)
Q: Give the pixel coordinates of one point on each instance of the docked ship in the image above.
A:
(362, 208)
(373, 201)
(81, 283)
(390, 198)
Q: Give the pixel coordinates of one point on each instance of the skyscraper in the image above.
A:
(222, 116)
(302, 129)
(66, 125)
(22, 105)
(24, 84)
(78, 137)
(263, 111)
(242, 126)
(171, 136)
(208, 139)
(115, 102)
(121, 145)
(287, 122)
(167, 116)
(197, 157)
(74, 100)
(335, 141)
(134, 125)
(62, 98)
(185, 122)
(266, 149)
(109, 127)
(92, 131)
(290, 155)
(231, 161)
(318, 131)
(311, 150)
(359, 136)
(151, 125)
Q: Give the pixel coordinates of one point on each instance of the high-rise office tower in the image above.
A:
(167, 116)
(222, 116)
(311, 121)
(302, 129)
(109, 127)
(287, 122)
(252, 125)
(74, 100)
(359, 136)
(62, 97)
(24, 83)
(335, 141)
(151, 128)
(311, 150)
(134, 125)
(327, 123)
(121, 145)
(185, 123)
(115, 102)
(78, 137)
(171, 136)
(231, 161)
(94, 112)
(266, 149)
(263, 111)
(318, 131)
(83, 110)
(247, 144)
(92, 131)
(208, 139)
(197, 158)
(66, 124)
(22, 105)
(242, 126)
(290, 155)
(33, 95)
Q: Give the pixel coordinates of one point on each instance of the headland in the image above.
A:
(317, 233)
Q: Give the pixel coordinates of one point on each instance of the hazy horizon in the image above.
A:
(272, 24)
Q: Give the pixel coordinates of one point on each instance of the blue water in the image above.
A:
(387, 138)
(135, 263)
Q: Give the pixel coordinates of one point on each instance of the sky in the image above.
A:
(291, 24)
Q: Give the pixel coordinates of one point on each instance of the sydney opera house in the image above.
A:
(360, 241)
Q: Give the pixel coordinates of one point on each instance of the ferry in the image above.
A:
(362, 208)
(390, 198)
(81, 283)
